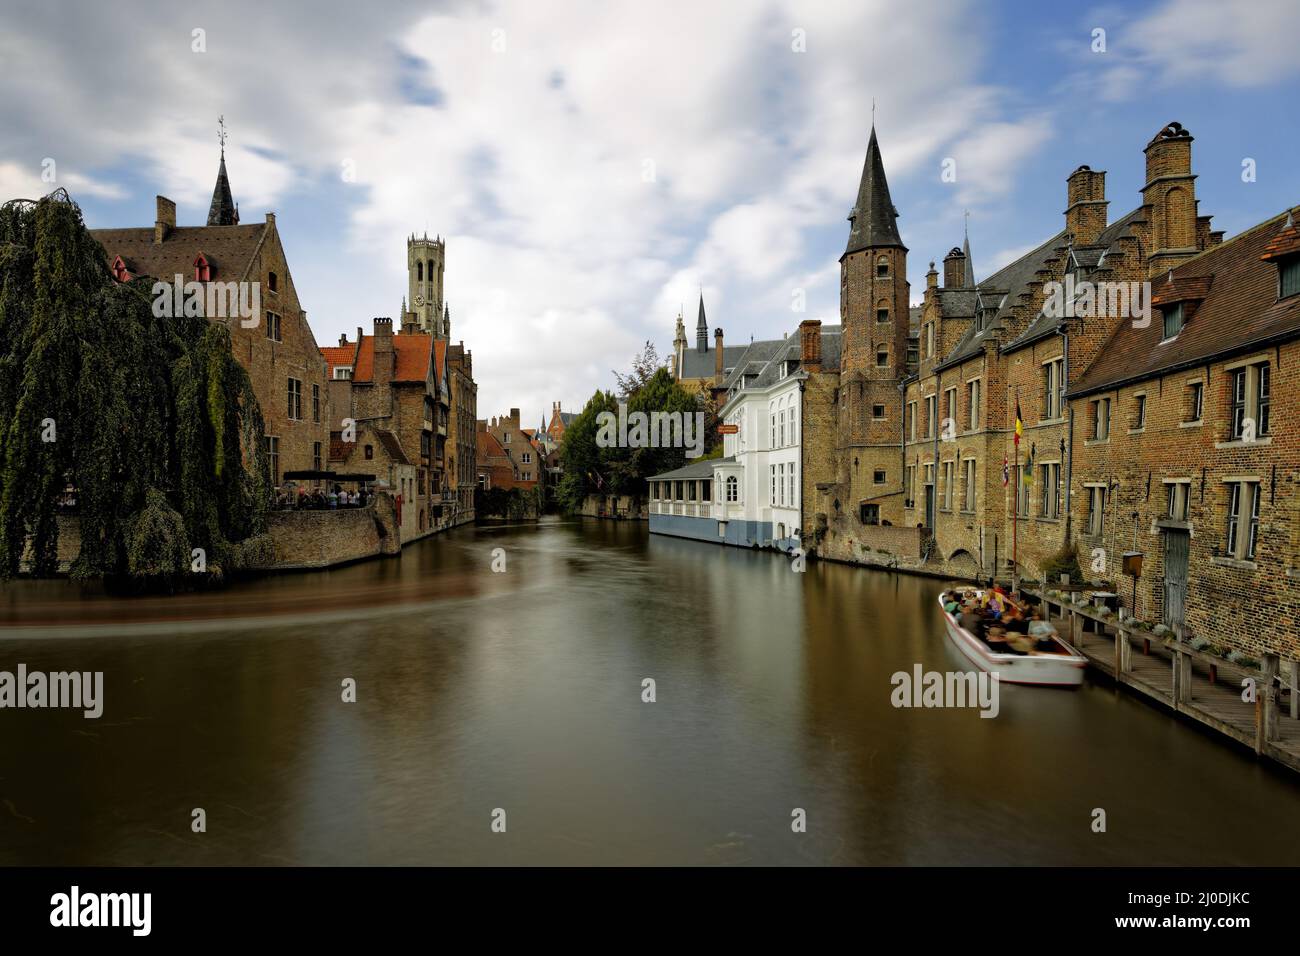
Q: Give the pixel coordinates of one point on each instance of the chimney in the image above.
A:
(1085, 214)
(810, 344)
(932, 277)
(166, 220)
(717, 358)
(343, 340)
(1170, 194)
(384, 358)
(954, 269)
(514, 417)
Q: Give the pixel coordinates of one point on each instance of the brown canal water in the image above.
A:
(522, 691)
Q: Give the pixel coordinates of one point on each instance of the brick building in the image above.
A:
(507, 456)
(398, 383)
(559, 423)
(275, 345)
(462, 444)
(984, 348)
(1195, 462)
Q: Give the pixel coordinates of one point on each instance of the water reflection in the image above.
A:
(522, 691)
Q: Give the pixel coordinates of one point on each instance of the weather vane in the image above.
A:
(221, 133)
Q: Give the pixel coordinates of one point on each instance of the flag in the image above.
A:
(1006, 471)
(1020, 428)
(1029, 468)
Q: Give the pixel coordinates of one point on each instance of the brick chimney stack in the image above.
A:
(717, 358)
(166, 220)
(932, 277)
(954, 269)
(1085, 214)
(1170, 196)
(385, 359)
(810, 344)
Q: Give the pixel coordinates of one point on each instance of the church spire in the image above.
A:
(702, 329)
(969, 282)
(873, 216)
(223, 211)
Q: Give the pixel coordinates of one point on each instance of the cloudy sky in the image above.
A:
(594, 165)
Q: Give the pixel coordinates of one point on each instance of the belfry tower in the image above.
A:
(425, 260)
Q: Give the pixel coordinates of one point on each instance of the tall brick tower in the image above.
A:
(425, 258)
(874, 302)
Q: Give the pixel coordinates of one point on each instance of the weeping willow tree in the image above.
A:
(150, 421)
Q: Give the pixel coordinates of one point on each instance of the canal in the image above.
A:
(522, 691)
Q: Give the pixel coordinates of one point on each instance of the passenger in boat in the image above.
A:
(994, 603)
(1042, 631)
(950, 602)
(1013, 619)
(971, 620)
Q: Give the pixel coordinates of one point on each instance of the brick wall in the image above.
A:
(271, 364)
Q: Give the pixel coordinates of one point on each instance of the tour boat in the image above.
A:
(1061, 666)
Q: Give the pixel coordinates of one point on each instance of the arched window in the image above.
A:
(419, 272)
(431, 272)
(794, 426)
(202, 270)
(733, 488)
(882, 267)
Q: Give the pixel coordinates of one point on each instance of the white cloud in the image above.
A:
(562, 257)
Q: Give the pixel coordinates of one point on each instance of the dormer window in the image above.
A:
(343, 373)
(202, 270)
(1288, 277)
(1174, 319)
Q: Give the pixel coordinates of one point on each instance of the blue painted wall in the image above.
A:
(742, 534)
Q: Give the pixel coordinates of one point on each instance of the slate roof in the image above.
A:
(696, 469)
(1045, 325)
(701, 364)
(228, 249)
(874, 215)
(1240, 312)
(223, 211)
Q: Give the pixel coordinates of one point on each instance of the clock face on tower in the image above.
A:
(419, 300)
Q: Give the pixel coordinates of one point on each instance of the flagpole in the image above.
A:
(1015, 507)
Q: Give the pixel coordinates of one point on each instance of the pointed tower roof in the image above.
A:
(873, 216)
(969, 281)
(703, 323)
(222, 212)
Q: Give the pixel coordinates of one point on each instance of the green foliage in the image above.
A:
(1065, 561)
(592, 470)
(155, 422)
(513, 503)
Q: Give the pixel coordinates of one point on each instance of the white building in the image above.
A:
(752, 496)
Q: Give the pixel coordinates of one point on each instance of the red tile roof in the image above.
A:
(1240, 311)
(412, 353)
(489, 447)
(338, 355)
(1284, 243)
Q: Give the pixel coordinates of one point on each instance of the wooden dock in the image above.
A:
(1171, 673)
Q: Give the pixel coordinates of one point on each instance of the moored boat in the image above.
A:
(1050, 663)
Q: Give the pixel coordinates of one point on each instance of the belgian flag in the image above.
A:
(1020, 427)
